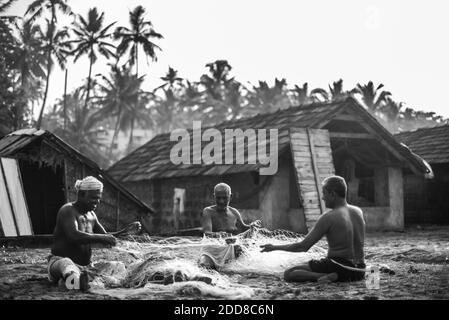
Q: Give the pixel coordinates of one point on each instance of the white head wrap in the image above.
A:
(89, 183)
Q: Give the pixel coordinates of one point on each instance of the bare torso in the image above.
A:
(80, 253)
(346, 234)
(222, 221)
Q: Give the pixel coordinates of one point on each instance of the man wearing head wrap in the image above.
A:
(222, 220)
(77, 228)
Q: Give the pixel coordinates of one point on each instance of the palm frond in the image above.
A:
(37, 4)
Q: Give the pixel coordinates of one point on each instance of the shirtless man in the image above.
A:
(221, 220)
(344, 228)
(77, 228)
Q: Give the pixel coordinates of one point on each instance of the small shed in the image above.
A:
(37, 175)
(314, 141)
(427, 201)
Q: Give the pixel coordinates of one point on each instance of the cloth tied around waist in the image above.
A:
(220, 255)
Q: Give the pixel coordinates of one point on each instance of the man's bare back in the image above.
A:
(346, 233)
(344, 228)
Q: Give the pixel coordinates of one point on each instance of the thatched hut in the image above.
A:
(38, 173)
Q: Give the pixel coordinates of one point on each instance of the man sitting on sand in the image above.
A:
(344, 228)
(221, 220)
(77, 228)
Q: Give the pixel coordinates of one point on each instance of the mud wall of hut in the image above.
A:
(279, 201)
(272, 199)
(388, 212)
(198, 195)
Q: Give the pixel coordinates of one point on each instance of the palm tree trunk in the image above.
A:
(131, 135)
(116, 130)
(65, 100)
(39, 120)
(50, 46)
(89, 80)
(137, 62)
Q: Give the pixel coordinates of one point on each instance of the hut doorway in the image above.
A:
(44, 192)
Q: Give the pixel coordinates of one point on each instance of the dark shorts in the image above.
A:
(325, 265)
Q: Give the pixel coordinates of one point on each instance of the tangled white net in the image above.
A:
(170, 265)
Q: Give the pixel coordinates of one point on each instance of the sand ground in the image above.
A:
(418, 257)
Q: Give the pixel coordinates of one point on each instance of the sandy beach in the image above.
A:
(418, 258)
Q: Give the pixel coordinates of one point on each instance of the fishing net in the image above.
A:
(169, 266)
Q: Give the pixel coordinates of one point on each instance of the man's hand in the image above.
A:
(130, 229)
(267, 247)
(134, 228)
(256, 223)
(109, 239)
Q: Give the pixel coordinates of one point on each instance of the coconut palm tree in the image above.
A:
(36, 9)
(391, 109)
(138, 114)
(140, 35)
(264, 98)
(167, 108)
(301, 95)
(219, 90)
(118, 95)
(191, 99)
(84, 131)
(91, 41)
(336, 91)
(170, 78)
(29, 65)
(60, 47)
(373, 98)
(30, 60)
(8, 45)
(4, 19)
(217, 79)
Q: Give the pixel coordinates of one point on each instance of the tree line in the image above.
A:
(33, 45)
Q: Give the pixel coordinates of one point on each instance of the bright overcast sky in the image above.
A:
(402, 44)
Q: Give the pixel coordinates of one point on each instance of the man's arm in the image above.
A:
(133, 227)
(206, 221)
(98, 227)
(318, 231)
(241, 225)
(70, 227)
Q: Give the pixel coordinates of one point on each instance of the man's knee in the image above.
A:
(206, 262)
(63, 267)
(288, 272)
